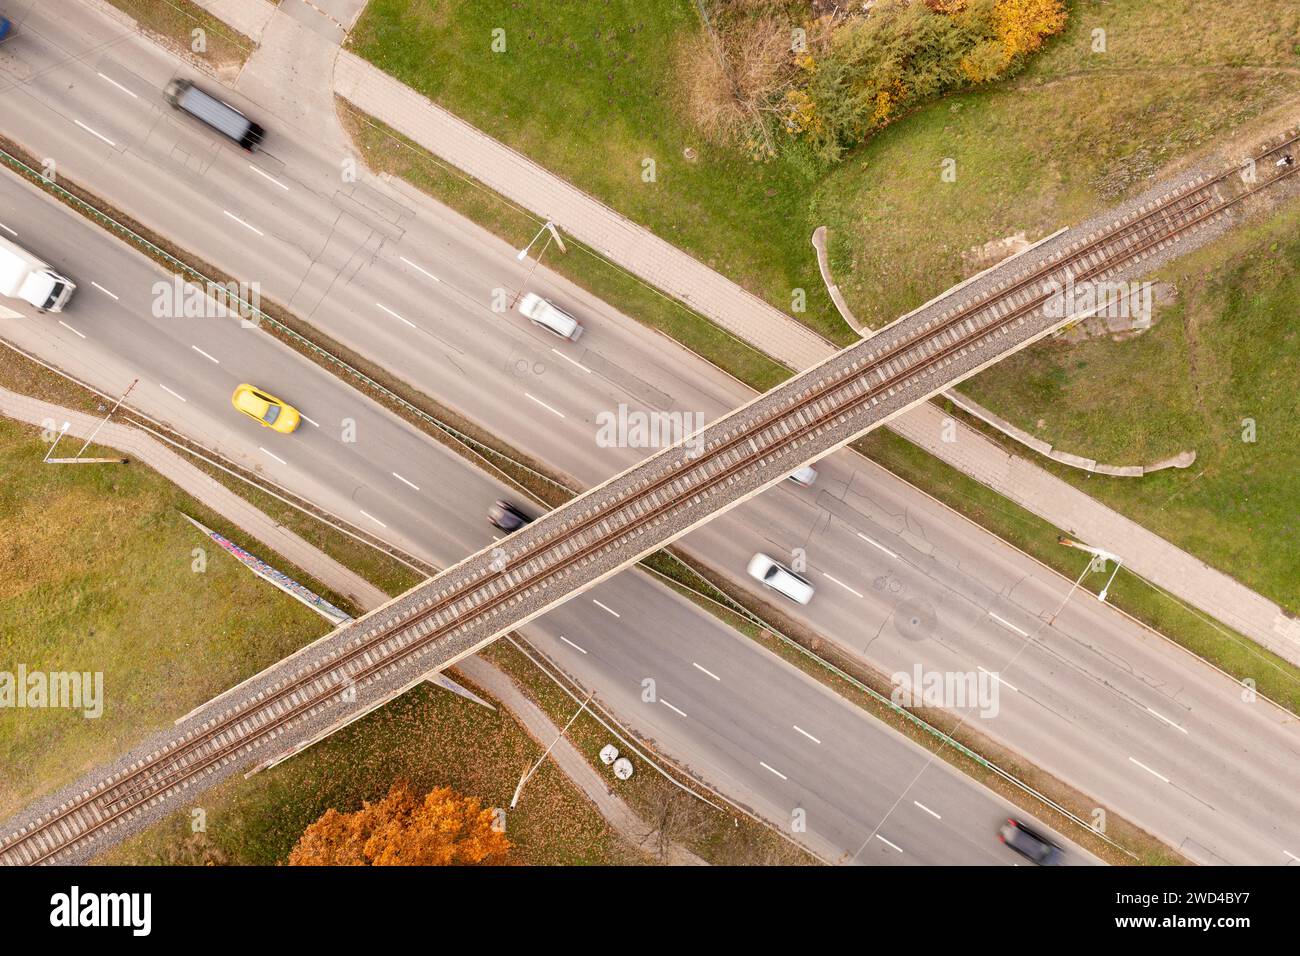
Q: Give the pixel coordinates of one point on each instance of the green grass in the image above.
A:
(175, 20)
(1226, 350)
(95, 575)
(427, 736)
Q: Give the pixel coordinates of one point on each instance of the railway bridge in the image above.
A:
(366, 663)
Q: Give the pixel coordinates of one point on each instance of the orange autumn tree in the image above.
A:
(442, 829)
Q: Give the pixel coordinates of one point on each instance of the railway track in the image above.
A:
(637, 512)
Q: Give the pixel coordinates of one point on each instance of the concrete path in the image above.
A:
(142, 448)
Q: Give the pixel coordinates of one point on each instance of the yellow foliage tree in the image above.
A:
(443, 829)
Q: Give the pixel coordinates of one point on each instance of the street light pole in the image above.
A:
(62, 431)
(77, 459)
(542, 759)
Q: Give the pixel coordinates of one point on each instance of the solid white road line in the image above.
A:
(272, 455)
(373, 518)
(70, 328)
(841, 584)
(705, 670)
(404, 481)
(676, 710)
(605, 607)
(306, 419)
(927, 809)
(1000, 679)
(571, 361)
(876, 544)
(7, 229)
(805, 733)
(773, 769)
(105, 291)
(169, 391)
(118, 85)
(544, 405)
(1292, 855)
(266, 175)
(419, 269)
(205, 354)
(93, 133)
(1007, 624)
(887, 843)
(1160, 716)
(242, 223)
(1149, 770)
(573, 645)
(395, 315)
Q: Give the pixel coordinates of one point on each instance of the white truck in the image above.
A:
(24, 276)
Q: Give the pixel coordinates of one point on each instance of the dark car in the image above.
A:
(1030, 844)
(5, 27)
(506, 516)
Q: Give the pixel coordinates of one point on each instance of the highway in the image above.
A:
(725, 708)
(1096, 699)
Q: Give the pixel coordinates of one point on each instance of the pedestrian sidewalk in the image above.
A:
(749, 318)
(142, 448)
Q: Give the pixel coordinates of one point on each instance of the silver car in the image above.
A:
(779, 578)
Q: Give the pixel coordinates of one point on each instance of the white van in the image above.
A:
(549, 317)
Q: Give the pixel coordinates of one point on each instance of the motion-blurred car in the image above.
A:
(507, 517)
(553, 319)
(268, 410)
(1030, 844)
(805, 476)
(779, 578)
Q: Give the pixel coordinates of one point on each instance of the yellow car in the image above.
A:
(267, 409)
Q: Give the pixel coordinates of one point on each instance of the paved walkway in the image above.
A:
(142, 448)
(770, 330)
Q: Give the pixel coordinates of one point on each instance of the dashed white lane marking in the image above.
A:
(373, 518)
(676, 710)
(242, 223)
(270, 454)
(605, 607)
(306, 419)
(404, 481)
(170, 392)
(773, 769)
(887, 843)
(70, 328)
(105, 291)
(1008, 625)
(705, 670)
(841, 584)
(266, 175)
(1149, 770)
(11, 232)
(553, 411)
(573, 645)
(1160, 716)
(1000, 679)
(395, 315)
(106, 79)
(927, 809)
(205, 354)
(876, 544)
(95, 134)
(419, 269)
(1292, 855)
(571, 361)
(805, 733)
